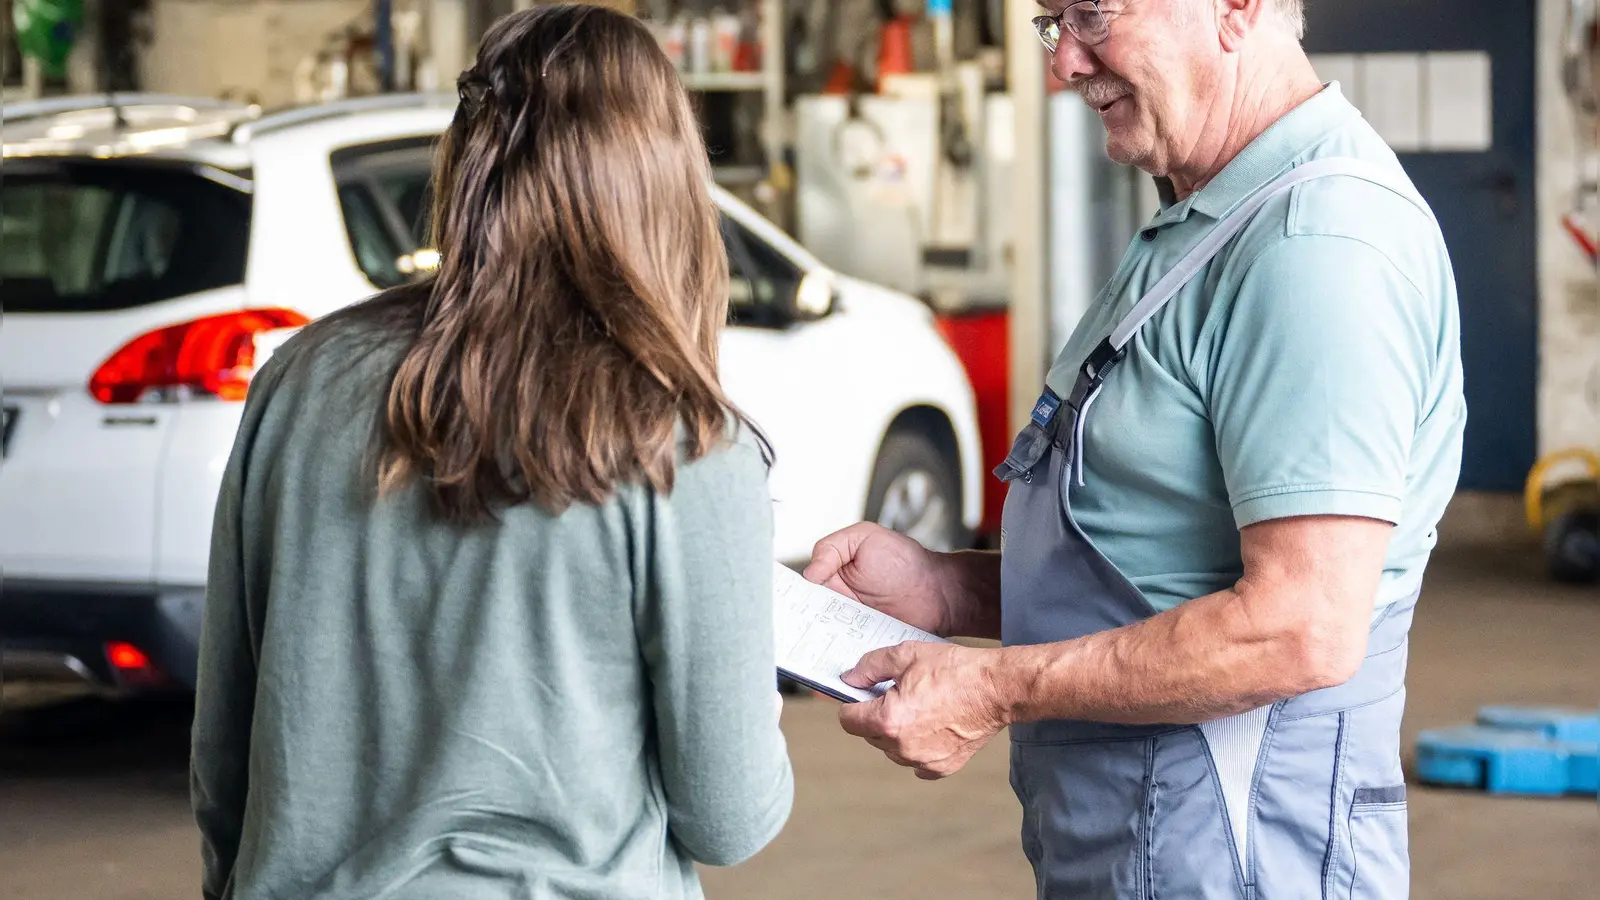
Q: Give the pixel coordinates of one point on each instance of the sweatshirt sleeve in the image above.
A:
(706, 631)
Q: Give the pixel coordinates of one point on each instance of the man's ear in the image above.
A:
(1236, 19)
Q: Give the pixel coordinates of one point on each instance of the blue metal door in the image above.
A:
(1484, 199)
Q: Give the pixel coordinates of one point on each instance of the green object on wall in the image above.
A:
(46, 31)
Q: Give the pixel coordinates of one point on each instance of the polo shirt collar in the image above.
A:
(1273, 152)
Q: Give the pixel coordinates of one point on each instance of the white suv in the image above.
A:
(153, 252)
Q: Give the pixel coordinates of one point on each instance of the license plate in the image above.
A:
(8, 421)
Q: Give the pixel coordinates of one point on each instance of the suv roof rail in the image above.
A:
(334, 109)
(54, 106)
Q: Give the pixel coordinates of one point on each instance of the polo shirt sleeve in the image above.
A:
(1318, 371)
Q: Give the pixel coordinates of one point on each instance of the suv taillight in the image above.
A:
(214, 356)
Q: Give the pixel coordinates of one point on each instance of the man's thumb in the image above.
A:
(878, 666)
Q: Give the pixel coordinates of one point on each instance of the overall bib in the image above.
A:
(1302, 799)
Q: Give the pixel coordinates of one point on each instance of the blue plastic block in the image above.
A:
(1583, 776)
(1578, 726)
(1440, 763)
(1506, 761)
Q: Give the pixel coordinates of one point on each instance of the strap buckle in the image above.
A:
(1093, 372)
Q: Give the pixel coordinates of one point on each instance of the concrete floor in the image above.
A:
(95, 804)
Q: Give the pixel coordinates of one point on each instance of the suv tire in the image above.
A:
(916, 491)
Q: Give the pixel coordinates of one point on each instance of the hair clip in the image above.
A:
(473, 90)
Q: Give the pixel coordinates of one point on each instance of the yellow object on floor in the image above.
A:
(1566, 513)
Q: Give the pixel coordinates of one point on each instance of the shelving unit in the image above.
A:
(768, 82)
(714, 82)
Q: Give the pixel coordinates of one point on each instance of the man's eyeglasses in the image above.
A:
(1083, 20)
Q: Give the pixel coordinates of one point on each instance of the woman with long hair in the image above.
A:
(489, 609)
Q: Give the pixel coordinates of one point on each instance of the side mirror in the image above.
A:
(817, 296)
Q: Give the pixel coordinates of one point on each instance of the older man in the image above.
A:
(1220, 514)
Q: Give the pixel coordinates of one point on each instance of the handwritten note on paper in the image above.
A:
(820, 634)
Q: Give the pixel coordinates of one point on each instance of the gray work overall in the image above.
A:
(1304, 798)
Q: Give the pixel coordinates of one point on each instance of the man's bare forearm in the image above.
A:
(1215, 656)
(971, 582)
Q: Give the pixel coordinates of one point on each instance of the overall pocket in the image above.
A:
(1379, 844)
(1373, 852)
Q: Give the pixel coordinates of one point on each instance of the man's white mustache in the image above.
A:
(1100, 91)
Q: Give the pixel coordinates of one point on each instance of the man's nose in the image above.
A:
(1072, 62)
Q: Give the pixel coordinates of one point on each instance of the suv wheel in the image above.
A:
(915, 491)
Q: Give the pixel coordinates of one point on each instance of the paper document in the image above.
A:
(821, 634)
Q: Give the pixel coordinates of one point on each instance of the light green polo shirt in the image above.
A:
(1314, 367)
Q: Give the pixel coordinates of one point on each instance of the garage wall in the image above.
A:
(1569, 383)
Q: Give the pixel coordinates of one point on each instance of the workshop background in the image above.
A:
(919, 146)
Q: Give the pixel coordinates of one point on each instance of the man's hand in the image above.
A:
(887, 571)
(943, 708)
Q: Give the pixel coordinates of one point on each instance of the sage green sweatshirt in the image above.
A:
(577, 706)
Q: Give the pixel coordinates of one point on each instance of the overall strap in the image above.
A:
(1111, 350)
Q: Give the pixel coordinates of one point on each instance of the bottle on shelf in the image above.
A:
(699, 45)
(748, 57)
(725, 29)
(673, 40)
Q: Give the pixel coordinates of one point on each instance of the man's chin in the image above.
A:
(1120, 153)
(1123, 151)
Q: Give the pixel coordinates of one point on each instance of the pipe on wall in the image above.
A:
(1029, 308)
(383, 40)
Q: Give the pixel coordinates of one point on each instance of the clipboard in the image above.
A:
(817, 686)
(820, 634)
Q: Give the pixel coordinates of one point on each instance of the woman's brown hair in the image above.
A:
(568, 340)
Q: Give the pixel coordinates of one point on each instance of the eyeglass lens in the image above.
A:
(1083, 20)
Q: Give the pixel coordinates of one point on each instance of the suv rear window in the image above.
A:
(84, 236)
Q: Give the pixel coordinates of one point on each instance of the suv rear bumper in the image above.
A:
(59, 631)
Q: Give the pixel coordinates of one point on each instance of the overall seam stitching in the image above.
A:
(1267, 737)
(1222, 805)
(1344, 709)
(1355, 860)
(1147, 839)
(1331, 855)
(1031, 825)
